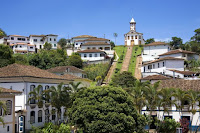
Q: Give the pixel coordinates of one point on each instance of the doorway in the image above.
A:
(132, 42)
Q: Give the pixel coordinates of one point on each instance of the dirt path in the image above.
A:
(127, 59)
(138, 66)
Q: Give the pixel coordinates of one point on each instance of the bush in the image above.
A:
(75, 60)
(184, 125)
(167, 126)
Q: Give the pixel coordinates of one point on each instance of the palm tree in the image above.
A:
(180, 97)
(2, 108)
(137, 94)
(60, 97)
(193, 97)
(37, 95)
(165, 99)
(115, 35)
(75, 86)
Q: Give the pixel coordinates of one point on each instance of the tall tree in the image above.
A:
(150, 40)
(176, 42)
(115, 35)
(112, 44)
(47, 46)
(6, 55)
(137, 94)
(2, 33)
(59, 97)
(62, 42)
(196, 37)
(105, 110)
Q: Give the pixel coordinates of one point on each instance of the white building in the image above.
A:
(175, 113)
(162, 66)
(78, 40)
(25, 79)
(23, 48)
(153, 50)
(40, 40)
(8, 96)
(92, 55)
(178, 53)
(132, 37)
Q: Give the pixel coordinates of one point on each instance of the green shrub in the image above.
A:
(167, 126)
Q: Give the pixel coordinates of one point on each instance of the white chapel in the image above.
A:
(132, 37)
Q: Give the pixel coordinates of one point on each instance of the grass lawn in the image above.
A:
(136, 51)
(93, 84)
(121, 51)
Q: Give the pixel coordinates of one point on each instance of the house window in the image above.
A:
(163, 64)
(40, 116)
(85, 55)
(32, 117)
(32, 87)
(132, 37)
(140, 37)
(9, 107)
(90, 55)
(93, 48)
(23, 39)
(128, 37)
(8, 128)
(41, 40)
(19, 39)
(53, 114)
(100, 48)
(40, 46)
(158, 65)
(46, 115)
(1, 111)
(88, 47)
(20, 46)
(50, 39)
(15, 46)
(149, 66)
(54, 45)
(31, 47)
(153, 66)
(12, 38)
(46, 87)
(95, 55)
(54, 39)
(35, 40)
(76, 43)
(135, 36)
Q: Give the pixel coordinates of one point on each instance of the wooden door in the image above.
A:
(132, 42)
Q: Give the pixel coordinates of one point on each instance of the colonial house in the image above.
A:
(25, 78)
(153, 50)
(92, 55)
(72, 70)
(178, 53)
(13, 39)
(23, 48)
(173, 112)
(132, 37)
(40, 40)
(154, 78)
(78, 40)
(8, 96)
(162, 66)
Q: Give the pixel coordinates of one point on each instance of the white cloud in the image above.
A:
(162, 39)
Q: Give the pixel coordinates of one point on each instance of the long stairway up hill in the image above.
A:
(127, 59)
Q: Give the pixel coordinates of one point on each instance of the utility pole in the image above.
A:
(104, 36)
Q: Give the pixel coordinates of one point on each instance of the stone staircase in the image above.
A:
(127, 59)
(138, 74)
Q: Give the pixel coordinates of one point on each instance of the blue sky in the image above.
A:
(160, 19)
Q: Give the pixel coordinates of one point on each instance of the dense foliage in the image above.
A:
(95, 70)
(167, 126)
(6, 55)
(75, 60)
(124, 80)
(2, 33)
(47, 46)
(150, 40)
(62, 43)
(104, 110)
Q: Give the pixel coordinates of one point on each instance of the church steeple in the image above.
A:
(132, 25)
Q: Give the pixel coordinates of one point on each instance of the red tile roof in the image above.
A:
(95, 43)
(83, 36)
(177, 51)
(156, 43)
(4, 90)
(91, 51)
(17, 70)
(161, 59)
(64, 68)
(97, 39)
(183, 72)
(155, 77)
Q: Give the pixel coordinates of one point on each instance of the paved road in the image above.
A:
(127, 59)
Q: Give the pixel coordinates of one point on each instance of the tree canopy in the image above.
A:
(105, 110)
(62, 42)
(150, 40)
(176, 42)
(112, 44)
(124, 80)
(2, 33)
(47, 46)
(6, 55)
(75, 60)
